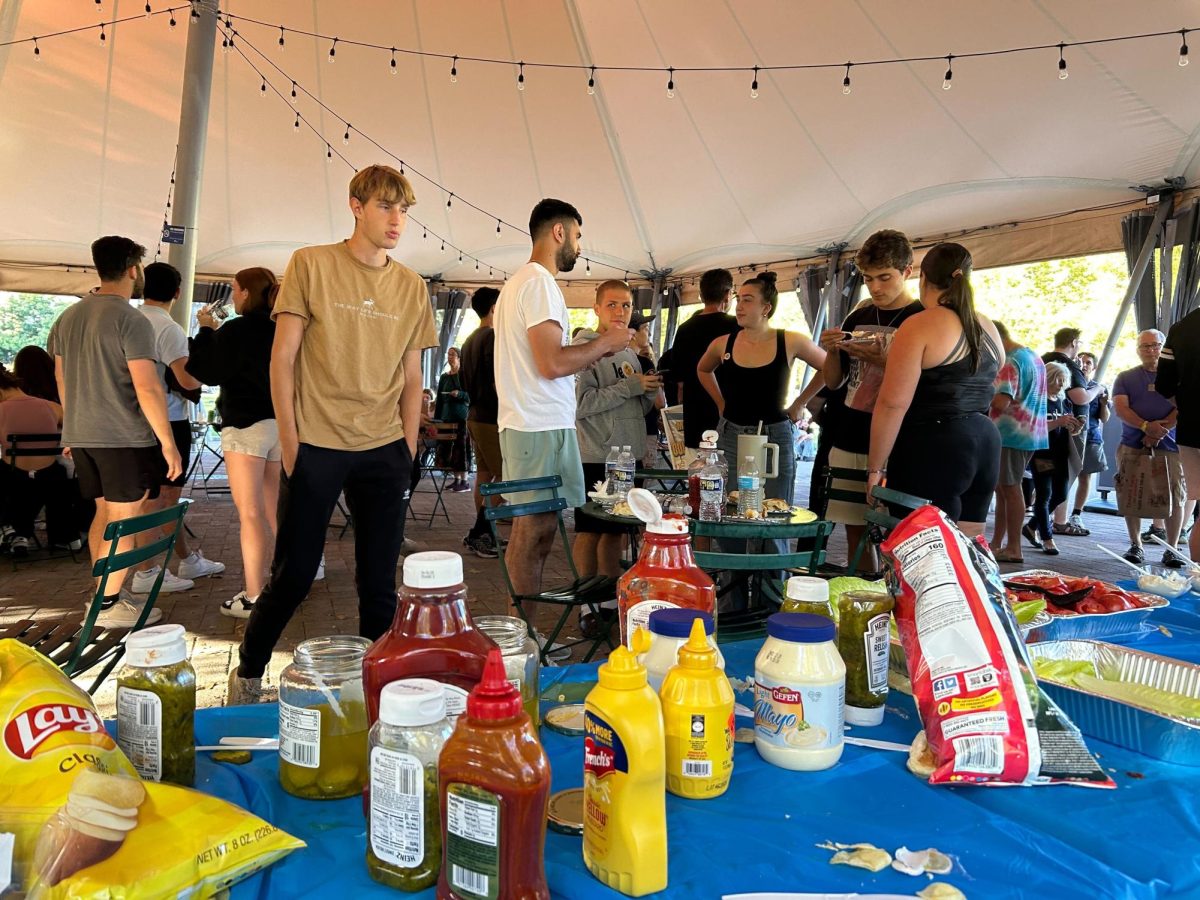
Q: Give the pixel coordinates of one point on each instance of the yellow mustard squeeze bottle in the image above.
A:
(624, 807)
(697, 704)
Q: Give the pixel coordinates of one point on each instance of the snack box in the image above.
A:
(1170, 738)
(1089, 626)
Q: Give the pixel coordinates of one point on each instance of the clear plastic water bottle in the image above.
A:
(623, 472)
(724, 464)
(750, 489)
(610, 463)
(712, 489)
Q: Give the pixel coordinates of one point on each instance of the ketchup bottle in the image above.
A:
(666, 575)
(432, 635)
(494, 781)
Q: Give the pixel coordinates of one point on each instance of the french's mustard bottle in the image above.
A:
(624, 808)
(697, 704)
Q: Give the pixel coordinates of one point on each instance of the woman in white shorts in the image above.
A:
(237, 356)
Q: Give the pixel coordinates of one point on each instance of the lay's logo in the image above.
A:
(32, 728)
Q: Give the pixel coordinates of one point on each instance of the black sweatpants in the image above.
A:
(376, 483)
(22, 496)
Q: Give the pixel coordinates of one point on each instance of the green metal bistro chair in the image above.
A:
(75, 645)
(736, 626)
(581, 593)
(882, 521)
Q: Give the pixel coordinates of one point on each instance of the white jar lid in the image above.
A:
(159, 645)
(433, 569)
(412, 701)
(808, 588)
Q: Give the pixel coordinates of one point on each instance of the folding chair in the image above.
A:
(17, 445)
(581, 593)
(433, 436)
(75, 645)
(736, 626)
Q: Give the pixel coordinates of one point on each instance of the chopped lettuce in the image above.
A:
(1027, 610)
(1064, 671)
(1082, 674)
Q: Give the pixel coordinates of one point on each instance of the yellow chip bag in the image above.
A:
(85, 825)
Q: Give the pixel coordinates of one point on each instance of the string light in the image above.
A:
(670, 82)
(296, 124)
(521, 77)
(846, 80)
(37, 51)
(948, 78)
(476, 265)
(172, 21)
(1183, 47)
(754, 85)
(592, 82)
(346, 136)
(497, 229)
(328, 153)
(293, 93)
(424, 233)
(449, 200)
(195, 12)
(460, 256)
(103, 37)
(454, 71)
(333, 51)
(443, 250)
(588, 267)
(281, 41)
(393, 63)
(262, 91)
(149, 11)
(1063, 74)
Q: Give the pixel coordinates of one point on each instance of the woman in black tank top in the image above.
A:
(930, 434)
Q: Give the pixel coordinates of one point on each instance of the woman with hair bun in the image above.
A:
(236, 356)
(747, 373)
(931, 435)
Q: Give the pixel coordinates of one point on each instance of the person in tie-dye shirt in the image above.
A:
(1019, 411)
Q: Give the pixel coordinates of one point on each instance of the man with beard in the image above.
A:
(535, 384)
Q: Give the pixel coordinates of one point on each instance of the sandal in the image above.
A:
(1010, 559)
(1071, 529)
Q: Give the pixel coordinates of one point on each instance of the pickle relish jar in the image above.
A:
(520, 652)
(323, 719)
(156, 705)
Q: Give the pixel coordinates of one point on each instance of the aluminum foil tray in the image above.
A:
(1170, 738)
(1088, 626)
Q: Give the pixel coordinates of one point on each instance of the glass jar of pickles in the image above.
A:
(323, 719)
(156, 704)
(520, 652)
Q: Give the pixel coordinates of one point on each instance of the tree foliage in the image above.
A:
(26, 319)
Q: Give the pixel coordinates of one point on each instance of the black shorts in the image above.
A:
(119, 474)
(585, 524)
(954, 464)
(182, 432)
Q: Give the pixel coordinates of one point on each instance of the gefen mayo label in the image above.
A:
(799, 717)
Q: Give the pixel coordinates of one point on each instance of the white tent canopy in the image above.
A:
(708, 178)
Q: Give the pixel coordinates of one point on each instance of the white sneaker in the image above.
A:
(239, 607)
(124, 613)
(196, 566)
(247, 690)
(143, 582)
(320, 569)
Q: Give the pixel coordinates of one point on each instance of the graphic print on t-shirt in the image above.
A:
(865, 378)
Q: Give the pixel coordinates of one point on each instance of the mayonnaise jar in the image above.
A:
(799, 693)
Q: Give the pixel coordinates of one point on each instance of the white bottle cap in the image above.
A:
(711, 436)
(159, 645)
(647, 508)
(433, 569)
(807, 588)
(412, 701)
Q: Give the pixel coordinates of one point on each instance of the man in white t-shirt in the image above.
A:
(171, 355)
(535, 384)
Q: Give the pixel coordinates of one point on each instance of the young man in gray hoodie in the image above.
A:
(612, 397)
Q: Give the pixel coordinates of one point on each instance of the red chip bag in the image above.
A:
(985, 718)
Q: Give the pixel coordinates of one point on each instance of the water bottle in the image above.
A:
(610, 464)
(724, 465)
(712, 489)
(750, 491)
(623, 472)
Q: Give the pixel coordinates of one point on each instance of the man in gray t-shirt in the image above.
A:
(114, 405)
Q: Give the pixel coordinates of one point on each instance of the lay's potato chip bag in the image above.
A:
(85, 824)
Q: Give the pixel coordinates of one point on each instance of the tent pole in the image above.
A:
(193, 129)
(831, 285)
(1166, 203)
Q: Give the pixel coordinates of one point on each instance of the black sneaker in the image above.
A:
(1135, 554)
(1153, 532)
(481, 546)
(1173, 560)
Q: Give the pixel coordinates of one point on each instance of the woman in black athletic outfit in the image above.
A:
(931, 426)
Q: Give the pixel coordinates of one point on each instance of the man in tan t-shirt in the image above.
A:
(346, 385)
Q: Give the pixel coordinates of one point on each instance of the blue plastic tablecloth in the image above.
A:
(1140, 840)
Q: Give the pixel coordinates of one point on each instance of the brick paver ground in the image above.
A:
(52, 588)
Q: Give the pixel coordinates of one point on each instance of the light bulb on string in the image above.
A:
(497, 229)
(296, 124)
(281, 41)
(460, 256)
(103, 36)
(454, 71)
(476, 265)
(195, 12)
(443, 250)
(592, 82)
(346, 136)
(948, 78)
(328, 153)
(262, 91)
(449, 200)
(149, 11)
(171, 22)
(393, 62)
(333, 51)
(1183, 47)
(293, 93)
(588, 266)
(37, 51)
(424, 233)
(521, 77)
(846, 80)
(1063, 74)
(754, 85)
(670, 82)
(401, 167)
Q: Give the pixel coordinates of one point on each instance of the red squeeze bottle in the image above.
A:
(494, 781)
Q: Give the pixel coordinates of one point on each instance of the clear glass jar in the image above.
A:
(323, 719)
(404, 837)
(520, 652)
(156, 705)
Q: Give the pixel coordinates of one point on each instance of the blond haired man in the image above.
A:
(350, 326)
